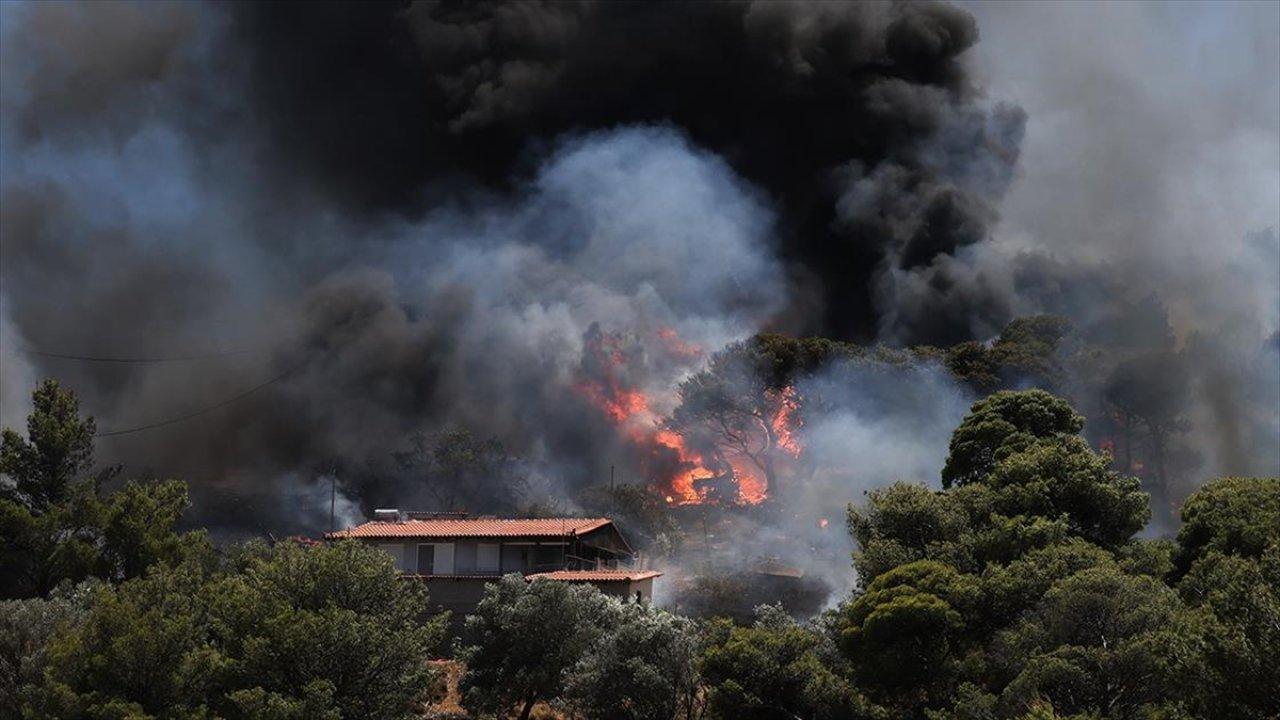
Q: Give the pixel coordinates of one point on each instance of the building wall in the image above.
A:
(626, 590)
(477, 557)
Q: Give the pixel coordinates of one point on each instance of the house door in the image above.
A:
(426, 559)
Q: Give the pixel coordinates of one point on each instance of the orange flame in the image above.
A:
(676, 346)
(784, 422)
(631, 411)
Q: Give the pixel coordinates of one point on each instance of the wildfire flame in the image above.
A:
(784, 423)
(632, 412)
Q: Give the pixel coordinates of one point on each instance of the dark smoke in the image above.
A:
(858, 120)
(406, 219)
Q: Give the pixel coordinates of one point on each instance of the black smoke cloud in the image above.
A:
(858, 120)
(404, 218)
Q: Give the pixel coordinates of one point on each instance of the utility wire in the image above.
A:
(142, 359)
(202, 411)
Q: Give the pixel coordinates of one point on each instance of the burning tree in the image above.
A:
(732, 424)
(739, 418)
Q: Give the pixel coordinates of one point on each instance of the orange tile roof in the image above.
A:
(473, 527)
(596, 575)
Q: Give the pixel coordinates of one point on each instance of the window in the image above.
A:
(487, 557)
(515, 558)
(426, 559)
(464, 558)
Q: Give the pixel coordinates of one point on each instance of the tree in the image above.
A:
(114, 537)
(26, 627)
(775, 670)
(640, 511)
(1229, 564)
(644, 667)
(728, 410)
(338, 621)
(1233, 516)
(1001, 424)
(284, 631)
(1026, 351)
(1102, 644)
(1241, 597)
(1063, 478)
(460, 471)
(57, 450)
(902, 523)
(56, 525)
(1019, 590)
(905, 633)
(1152, 389)
(524, 637)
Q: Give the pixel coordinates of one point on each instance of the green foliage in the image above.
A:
(775, 670)
(524, 637)
(1020, 592)
(1034, 497)
(1229, 559)
(1016, 587)
(1063, 478)
(1235, 516)
(1001, 424)
(114, 537)
(782, 359)
(1147, 557)
(644, 667)
(1102, 643)
(1017, 592)
(1026, 351)
(904, 634)
(291, 616)
(26, 627)
(902, 523)
(58, 449)
(55, 528)
(282, 631)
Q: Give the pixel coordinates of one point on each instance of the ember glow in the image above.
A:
(682, 473)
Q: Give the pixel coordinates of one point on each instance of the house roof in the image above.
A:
(596, 575)
(474, 528)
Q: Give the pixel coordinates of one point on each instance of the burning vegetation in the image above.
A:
(714, 444)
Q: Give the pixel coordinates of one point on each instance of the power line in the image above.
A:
(141, 359)
(202, 411)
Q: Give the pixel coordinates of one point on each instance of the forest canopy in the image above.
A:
(1019, 590)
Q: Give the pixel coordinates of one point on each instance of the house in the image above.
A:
(456, 555)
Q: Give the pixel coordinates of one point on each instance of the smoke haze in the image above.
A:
(389, 219)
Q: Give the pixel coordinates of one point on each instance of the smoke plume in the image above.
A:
(310, 233)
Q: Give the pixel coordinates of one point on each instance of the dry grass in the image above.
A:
(450, 706)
